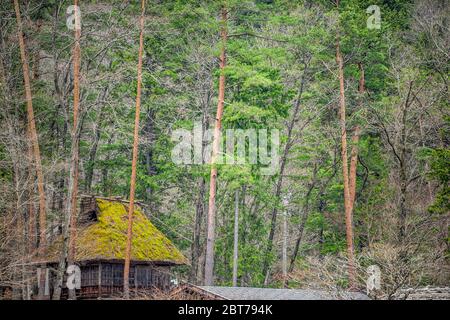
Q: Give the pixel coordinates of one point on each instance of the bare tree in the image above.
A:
(34, 139)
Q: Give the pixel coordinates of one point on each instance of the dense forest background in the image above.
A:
(281, 72)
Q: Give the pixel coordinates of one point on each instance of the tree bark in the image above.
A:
(347, 199)
(126, 272)
(284, 251)
(34, 141)
(31, 211)
(75, 147)
(209, 257)
(69, 226)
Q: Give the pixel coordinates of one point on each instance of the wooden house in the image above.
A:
(100, 250)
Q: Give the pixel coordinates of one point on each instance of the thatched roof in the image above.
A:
(105, 238)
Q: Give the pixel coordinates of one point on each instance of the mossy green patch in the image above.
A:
(106, 238)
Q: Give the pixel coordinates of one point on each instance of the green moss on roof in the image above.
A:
(106, 238)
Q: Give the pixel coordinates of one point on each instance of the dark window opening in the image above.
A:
(91, 216)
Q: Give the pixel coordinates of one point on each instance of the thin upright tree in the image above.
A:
(209, 257)
(347, 198)
(70, 216)
(76, 142)
(126, 272)
(355, 140)
(284, 249)
(34, 141)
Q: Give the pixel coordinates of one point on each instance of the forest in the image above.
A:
(276, 143)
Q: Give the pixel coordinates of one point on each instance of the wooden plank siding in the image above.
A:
(103, 279)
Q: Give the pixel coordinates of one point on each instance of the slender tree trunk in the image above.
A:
(209, 257)
(126, 272)
(69, 226)
(347, 199)
(150, 134)
(283, 161)
(105, 170)
(69, 217)
(27, 241)
(31, 212)
(353, 165)
(195, 276)
(355, 140)
(75, 146)
(403, 174)
(199, 211)
(92, 155)
(236, 239)
(427, 167)
(284, 251)
(304, 218)
(34, 140)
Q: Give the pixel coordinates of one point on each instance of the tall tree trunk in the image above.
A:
(150, 133)
(89, 169)
(34, 140)
(92, 155)
(283, 160)
(31, 211)
(402, 164)
(126, 272)
(105, 171)
(355, 140)
(427, 167)
(304, 218)
(347, 199)
(236, 239)
(199, 211)
(284, 251)
(69, 226)
(209, 257)
(195, 276)
(75, 146)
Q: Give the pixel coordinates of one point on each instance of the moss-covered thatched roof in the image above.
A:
(106, 238)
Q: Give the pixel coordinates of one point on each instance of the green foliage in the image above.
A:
(440, 171)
